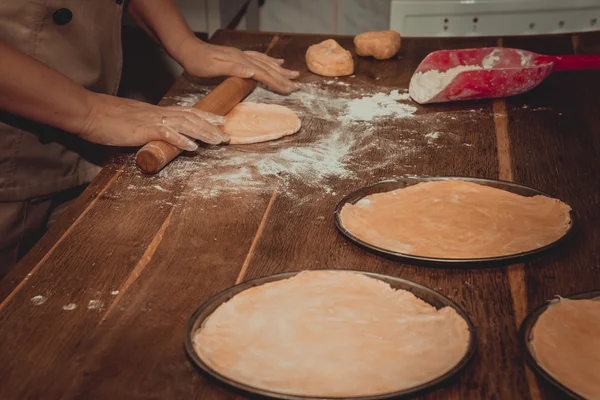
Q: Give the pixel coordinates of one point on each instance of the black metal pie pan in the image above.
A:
(526, 336)
(428, 295)
(388, 186)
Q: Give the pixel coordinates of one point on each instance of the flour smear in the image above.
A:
(349, 132)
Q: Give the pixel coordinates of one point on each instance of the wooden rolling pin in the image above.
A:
(155, 155)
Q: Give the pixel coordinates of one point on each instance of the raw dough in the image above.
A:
(328, 58)
(331, 333)
(566, 344)
(381, 45)
(254, 123)
(456, 219)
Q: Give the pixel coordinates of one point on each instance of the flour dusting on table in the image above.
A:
(343, 127)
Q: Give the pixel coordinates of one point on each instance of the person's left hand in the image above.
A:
(207, 60)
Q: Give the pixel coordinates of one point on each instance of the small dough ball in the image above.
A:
(328, 58)
(381, 45)
(255, 122)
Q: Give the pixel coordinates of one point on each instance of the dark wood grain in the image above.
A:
(555, 145)
(152, 249)
(310, 226)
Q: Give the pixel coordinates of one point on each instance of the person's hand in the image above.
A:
(208, 61)
(122, 122)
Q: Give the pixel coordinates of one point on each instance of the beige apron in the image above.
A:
(82, 40)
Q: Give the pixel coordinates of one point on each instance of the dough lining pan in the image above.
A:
(428, 295)
(388, 186)
(525, 333)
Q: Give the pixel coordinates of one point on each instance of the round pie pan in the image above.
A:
(388, 186)
(430, 296)
(526, 335)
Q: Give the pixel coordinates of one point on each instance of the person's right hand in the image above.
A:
(116, 121)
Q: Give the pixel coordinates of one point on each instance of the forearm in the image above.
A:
(33, 90)
(163, 21)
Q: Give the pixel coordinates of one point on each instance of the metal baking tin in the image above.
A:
(525, 333)
(428, 295)
(388, 186)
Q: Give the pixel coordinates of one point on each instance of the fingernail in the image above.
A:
(225, 137)
(280, 60)
(191, 146)
(297, 85)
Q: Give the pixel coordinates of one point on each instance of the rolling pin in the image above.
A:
(155, 155)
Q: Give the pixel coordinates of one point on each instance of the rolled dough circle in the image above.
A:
(328, 58)
(454, 219)
(331, 334)
(566, 344)
(255, 122)
(381, 45)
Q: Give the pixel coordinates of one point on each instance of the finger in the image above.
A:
(211, 118)
(199, 129)
(278, 61)
(274, 68)
(170, 135)
(232, 68)
(199, 121)
(273, 63)
(273, 79)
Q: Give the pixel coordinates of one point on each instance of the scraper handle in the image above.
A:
(572, 63)
(155, 155)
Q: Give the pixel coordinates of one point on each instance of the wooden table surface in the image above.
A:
(136, 255)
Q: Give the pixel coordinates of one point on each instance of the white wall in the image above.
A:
(346, 17)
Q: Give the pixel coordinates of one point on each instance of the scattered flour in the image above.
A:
(424, 86)
(95, 305)
(369, 108)
(349, 137)
(348, 120)
(114, 292)
(337, 82)
(38, 300)
(69, 307)
(433, 135)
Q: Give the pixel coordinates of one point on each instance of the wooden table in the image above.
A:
(136, 255)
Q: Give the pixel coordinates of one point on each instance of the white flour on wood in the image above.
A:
(348, 120)
(347, 134)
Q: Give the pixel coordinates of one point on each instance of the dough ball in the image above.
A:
(381, 45)
(328, 58)
(253, 123)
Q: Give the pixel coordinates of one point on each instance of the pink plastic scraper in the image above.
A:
(451, 75)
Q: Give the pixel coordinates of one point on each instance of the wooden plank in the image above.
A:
(554, 148)
(302, 236)
(134, 219)
(57, 232)
(152, 249)
(85, 267)
(515, 273)
(197, 251)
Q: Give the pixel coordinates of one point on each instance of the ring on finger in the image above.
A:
(163, 121)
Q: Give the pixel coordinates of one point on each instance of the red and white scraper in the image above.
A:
(468, 74)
